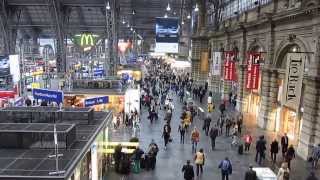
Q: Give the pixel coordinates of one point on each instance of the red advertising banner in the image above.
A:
(229, 66)
(253, 70)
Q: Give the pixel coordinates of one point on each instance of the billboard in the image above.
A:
(216, 63)
(253, 70)
(14, 67)
(4, 65)
(167, 35)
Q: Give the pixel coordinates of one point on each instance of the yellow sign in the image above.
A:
(35, 85)
(86, 40)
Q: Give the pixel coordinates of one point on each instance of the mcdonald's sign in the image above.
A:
(86, 39)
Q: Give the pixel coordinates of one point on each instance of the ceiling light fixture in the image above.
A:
(131, 29)
(182, 22)
(188, 17)
(133, 12)
(123, 21)
(168, 7)
(196, 9)
(166, 15)
(128, 25)
(108, 6)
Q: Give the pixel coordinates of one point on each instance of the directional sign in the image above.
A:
(96, 101)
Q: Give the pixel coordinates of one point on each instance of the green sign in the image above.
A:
(86, 39)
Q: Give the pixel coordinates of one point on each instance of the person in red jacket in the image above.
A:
(247, 142)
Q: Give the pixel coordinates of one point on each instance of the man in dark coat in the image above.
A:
(188, 172)
(250, 174)
(284, 144)
(214, 131)
(117, 157)
(206, 124)
(274, 149)
(260, 149)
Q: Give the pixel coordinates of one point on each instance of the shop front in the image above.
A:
(100, 102)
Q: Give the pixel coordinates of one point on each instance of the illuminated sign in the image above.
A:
(86, 39)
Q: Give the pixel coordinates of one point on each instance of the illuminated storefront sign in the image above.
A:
(96, 101)
(86, 39)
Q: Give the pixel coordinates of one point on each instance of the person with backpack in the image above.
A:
(226, 168)
(213, 135)
(199, 161)
(284, 172)
(188, 172)
(195, 137)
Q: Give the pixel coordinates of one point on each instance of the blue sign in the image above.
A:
(98, 72)
(18, 102)
(48, 95)
(96, 101)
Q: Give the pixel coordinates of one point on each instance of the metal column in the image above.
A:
(56, 10)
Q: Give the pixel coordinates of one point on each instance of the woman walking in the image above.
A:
(284, 172)
(166, 134)
(199, 161)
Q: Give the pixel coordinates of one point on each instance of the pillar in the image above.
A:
(310, 131)
(199, 45)
(242, 71)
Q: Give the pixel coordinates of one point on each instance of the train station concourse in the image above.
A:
(159, 89)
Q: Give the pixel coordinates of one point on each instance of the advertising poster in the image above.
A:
(204, 63)
(216, 63)
(167, 35)
(4, 65)
(14, 68)
(293, 79)
(253, 70)
(229, 66)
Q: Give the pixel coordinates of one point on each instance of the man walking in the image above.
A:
(213, 135)
(274, 149)
(250, 174)
(195, 137)
(206, 125)
(284, 144)
(226, 168)
(182, 131)
(188, 172)
(260, 148)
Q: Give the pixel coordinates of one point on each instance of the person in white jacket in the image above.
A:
(284, 172)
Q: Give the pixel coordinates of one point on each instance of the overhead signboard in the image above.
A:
(86, 39)
(48, 95)
(96, 101)
(167, 35)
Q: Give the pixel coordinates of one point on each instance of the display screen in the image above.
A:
(167, 35)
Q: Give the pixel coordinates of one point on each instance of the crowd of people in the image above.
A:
(160, 87)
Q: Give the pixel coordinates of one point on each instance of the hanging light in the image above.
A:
(123, 21)
(182, 22)
(131, 29)
(133, 12)
(188, 17)
(128, 25)
(108, 6)
(196, 9)
(168, 7)
(166, 15)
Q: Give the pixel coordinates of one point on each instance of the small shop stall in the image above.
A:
(99, 99)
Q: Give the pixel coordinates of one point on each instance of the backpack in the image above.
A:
(286, 175)
(225, 165)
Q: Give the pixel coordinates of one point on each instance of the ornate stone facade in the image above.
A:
(274, 30)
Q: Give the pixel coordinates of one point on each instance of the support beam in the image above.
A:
(8, 34)
(57, 12)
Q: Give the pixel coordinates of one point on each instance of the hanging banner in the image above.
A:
(204, 62)
(96, 101)
(293, 81)
(216, 63)
(253, 70)
(229, 66)
(48, 95)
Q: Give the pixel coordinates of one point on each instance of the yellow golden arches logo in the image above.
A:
(86, 40)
